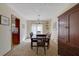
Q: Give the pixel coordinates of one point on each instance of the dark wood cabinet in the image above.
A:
(68, 32)
(63, 34)
(74, 28)
(16, 34)
(63, 29)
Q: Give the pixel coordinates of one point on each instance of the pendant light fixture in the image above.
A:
(38, 19)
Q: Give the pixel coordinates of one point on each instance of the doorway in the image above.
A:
(15, 24)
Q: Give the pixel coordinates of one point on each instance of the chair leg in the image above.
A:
(44, 50)
(37, 50)
(48, 46)
(31, 45)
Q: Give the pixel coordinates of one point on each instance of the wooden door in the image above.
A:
(74, 28)
(63, 29)
(63, 34)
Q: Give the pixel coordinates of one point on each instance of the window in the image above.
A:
(37, 28)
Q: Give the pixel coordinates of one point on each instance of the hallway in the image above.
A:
(37, 18)
(24, 50)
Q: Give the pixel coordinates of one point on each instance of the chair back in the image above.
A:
(31, 34)
(48, 35)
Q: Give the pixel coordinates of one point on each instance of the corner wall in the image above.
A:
(5, 31)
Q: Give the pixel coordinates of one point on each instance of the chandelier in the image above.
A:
(38, 19)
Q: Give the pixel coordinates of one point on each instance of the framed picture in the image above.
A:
(4, 20)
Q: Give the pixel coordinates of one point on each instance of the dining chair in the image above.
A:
(32, 40)
(41, 43)
(47, 41)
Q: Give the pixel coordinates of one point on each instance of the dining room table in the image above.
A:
(41, 39)
(41, 35)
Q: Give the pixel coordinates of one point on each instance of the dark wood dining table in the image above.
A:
(40, 40)
(39, 36)
(42, 35)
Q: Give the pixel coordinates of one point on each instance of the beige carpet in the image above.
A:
(24, 49)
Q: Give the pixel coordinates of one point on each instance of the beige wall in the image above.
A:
(45, 30)
(5, 31)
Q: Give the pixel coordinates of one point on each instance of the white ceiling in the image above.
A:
(30, 11)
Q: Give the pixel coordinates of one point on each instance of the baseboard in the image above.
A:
(7, 52)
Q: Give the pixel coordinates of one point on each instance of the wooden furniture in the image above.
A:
(41, 43)
(33, 40)
(68, 32)
(16, 33)
(41, 35)
(47, 41)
